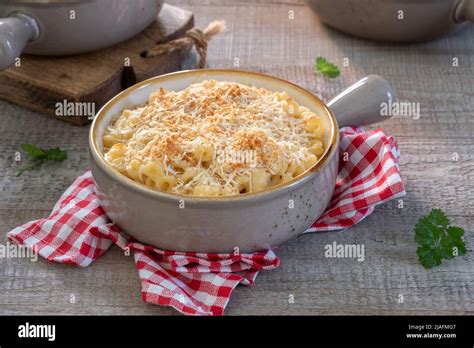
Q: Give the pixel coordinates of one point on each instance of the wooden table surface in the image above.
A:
(261, 37)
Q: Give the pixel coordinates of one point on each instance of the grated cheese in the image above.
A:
(181, 129)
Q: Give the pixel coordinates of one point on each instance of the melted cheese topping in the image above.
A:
(214, 138)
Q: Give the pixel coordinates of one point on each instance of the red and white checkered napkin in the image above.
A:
(78, 232)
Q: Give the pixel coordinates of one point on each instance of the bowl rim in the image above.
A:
(136, 186)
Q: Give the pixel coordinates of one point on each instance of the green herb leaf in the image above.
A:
(426, 233)
(39, 156)
(56, 154)
(428, 258)
(33, 151)
(455, 232)
(326, 68)
(28, 167)
(437, 239)
(437, 217)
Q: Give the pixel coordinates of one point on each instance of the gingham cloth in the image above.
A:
(78, 232)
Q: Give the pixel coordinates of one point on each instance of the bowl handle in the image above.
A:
(464, 11)
(362, 103)
(15, 32)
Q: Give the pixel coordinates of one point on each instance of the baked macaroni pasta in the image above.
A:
(214, 139)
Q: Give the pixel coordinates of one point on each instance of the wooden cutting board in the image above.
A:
(40, 83)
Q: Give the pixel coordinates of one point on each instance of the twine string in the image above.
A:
(195, 36)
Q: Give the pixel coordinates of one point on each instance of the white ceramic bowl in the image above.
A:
(246, 222)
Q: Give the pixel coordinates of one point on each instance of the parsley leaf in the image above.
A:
(33, 151)
(56, 154)
(437, 239)
(326, 68)
(39, 156)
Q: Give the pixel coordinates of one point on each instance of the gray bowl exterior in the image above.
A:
(97, 23)
(248, 224)
(242, 223)
(378, 20)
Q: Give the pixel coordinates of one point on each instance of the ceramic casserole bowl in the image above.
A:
(395, 20)
(63, 27)
(245, 222)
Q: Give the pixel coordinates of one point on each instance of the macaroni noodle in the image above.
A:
(172, 144)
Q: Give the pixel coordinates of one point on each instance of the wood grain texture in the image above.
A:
(41, 82)
(262, 37)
